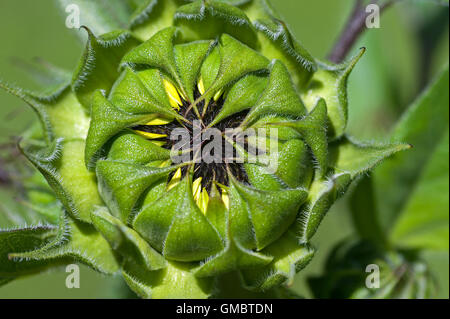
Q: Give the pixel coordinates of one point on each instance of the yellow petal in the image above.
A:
(201, 86)
(176, 178)
(159, 121)
(204, 200)
(225, 198)
(149, 135)
(196, 186)
(183, 95)
(172, 93)
(217, 95)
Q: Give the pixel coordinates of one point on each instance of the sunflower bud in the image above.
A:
(204, 140)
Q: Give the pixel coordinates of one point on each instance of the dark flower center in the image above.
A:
(210, 172)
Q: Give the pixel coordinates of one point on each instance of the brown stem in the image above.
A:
(354, 28)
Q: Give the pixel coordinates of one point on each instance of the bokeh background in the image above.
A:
(403, 56)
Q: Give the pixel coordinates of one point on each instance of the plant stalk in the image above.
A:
(354, 28)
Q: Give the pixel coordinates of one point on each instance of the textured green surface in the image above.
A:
(323, 44)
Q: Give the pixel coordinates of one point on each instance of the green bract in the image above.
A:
(399, 277)
(174, 229)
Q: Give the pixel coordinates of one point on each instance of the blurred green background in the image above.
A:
(409, 49)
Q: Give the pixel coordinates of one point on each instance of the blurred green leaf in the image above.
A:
(385, 81)
(423, 126)
(99, 16)
(50, 80)
(424, 221)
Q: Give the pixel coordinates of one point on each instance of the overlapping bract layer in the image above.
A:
(120, 184)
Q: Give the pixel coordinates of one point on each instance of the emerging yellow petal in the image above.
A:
(225, 198)
(149, 135)
(201, 86)
(218, 95)
(196, 188)
(203, 202)
(176, 178)
(172, 93)
(159, 121)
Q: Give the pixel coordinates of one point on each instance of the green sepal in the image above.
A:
(323, 193)
(294, 164)
(313, 130)
(135, 251)
(55, 106)
(121, 185)
(176, 281)
(243, 95)
(270, 212)
(330, 83)
(217, 212)
(37, 106)
(59, 239)
(107, 120)
(236, 60)
(209, 19)
(210, 67)
(355, 158)
(234, 256)
(58, 111)
(277, 42)
(82, 243)
(98, 68)
(141, 93)
(157, 52)
(181, 62)
(284, 133)
(167, 222)
(289, 258)
(349, 160)
(68, 118)
(75, 188)
(189, 59)
(80, 185)
(17, 240)
(279, 98)
(293, 169)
